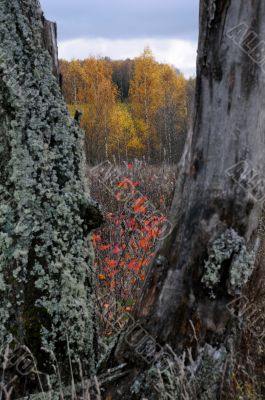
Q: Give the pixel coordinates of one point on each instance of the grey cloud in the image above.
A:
(123, 19)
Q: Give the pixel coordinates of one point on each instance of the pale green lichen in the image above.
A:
(209, 372)
(185, 377)
(45, 253)
(231, 248)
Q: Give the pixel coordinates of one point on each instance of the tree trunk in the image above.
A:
(50, 43)
(207, 259)
(46, 213)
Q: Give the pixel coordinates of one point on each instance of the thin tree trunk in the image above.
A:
(50, 43)
(205, 262)
(46, 213)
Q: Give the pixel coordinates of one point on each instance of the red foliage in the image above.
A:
(125, 245)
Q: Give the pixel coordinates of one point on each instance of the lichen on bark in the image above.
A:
(46, 275)
(228, 248)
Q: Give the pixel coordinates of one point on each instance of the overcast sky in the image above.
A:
(122, 28)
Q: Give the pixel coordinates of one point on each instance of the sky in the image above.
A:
(121, 29)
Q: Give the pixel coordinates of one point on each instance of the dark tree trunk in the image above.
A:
(206, 260)
(46, 213)
(50, 44)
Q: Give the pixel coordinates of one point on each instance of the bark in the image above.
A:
(46, 213)
(207, 259)
(50, 43)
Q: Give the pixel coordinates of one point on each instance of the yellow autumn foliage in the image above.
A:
(145, 124)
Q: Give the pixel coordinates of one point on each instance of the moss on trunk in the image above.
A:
(46, 213)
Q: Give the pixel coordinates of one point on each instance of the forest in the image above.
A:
(132, 223)
(131, 109)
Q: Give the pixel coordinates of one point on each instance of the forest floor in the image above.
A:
(135, 198)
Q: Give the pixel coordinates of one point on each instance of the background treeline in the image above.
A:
(131, 109)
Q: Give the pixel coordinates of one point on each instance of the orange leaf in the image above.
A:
(104, 246)
(139, 205)
(142, 276)
(125, 184)
(143, 243)
(96, 238)
(134, 265)
(111, 263)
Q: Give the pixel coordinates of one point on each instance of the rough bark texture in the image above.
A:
(46, 213)
(207, 259)
(50, 43)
